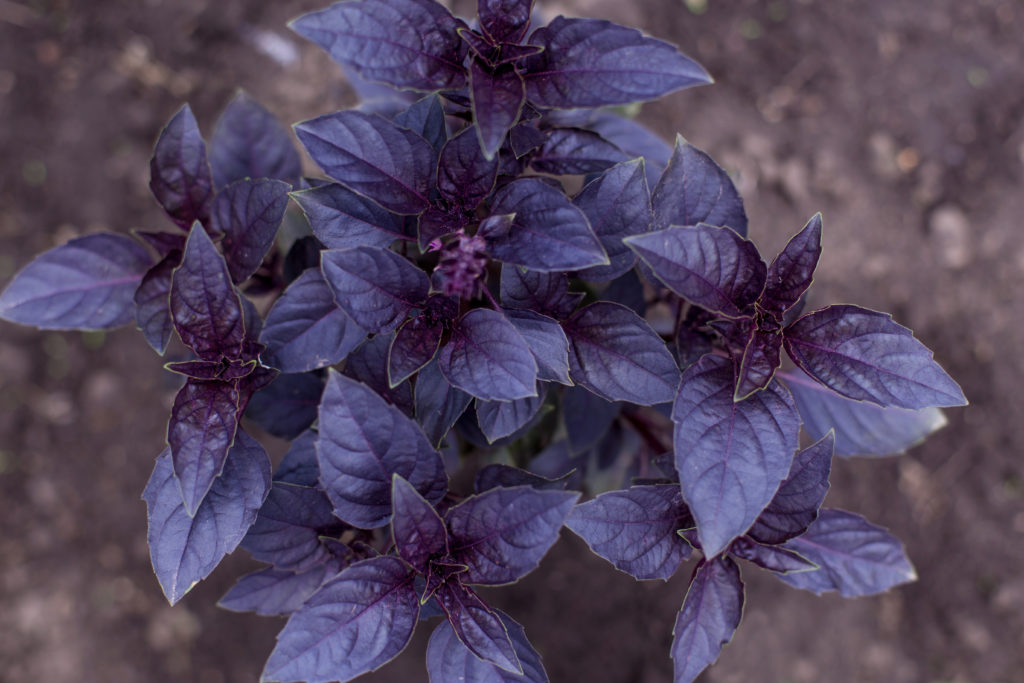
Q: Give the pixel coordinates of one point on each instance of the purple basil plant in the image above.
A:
(459, 348)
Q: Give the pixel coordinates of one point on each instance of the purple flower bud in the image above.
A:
(462, 266)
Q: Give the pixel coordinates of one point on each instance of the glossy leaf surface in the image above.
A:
(866, 356)
(731, 455)
(185, 549)
(363, 442)
(464, 175)
(497, 96)
(204, 304)
(635, 529)
(273, 592)
(355, 623)
(305, 329)
(341, 218)
(248, 142)
(448, 659)
(694, 189)
(204, 419)
(617, 204)
(179, 174)
(710, 615)
(87, 284)
(593, 63)
(406, 43)
(417, 529)
(855, 557)
(795, 505)
(712, 267)
(288, 528)
(548, 233)
(860, 428)
(438, 404)
(790, 274)
(248, 213)
(487, 358)
(376, 287)
(547, 342)
(575, 151)
(502, 534)
(615, 353)
(478, 626)
(390, 164)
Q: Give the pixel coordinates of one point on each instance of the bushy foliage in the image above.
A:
(445, 310)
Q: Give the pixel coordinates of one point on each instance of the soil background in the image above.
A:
(903, 122)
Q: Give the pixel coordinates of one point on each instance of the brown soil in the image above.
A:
(902, 122)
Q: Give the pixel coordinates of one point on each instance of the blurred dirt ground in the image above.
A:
(903, 122)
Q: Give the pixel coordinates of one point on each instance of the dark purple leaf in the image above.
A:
(633, 139)
(152, 303)
(299, 465)
(202, 428)
(414, 345)
(478, 626)
(86, 284)
(211, 369)
(502, 534)
(771, 557)
(499, 419)
(505, 21)
(465, 177)
(204, 304)
(369, 364)
(710, 615)
(635, 529)
(341, 218)
(163, 243)
(593, 63)
(761, 358)
(860, 428)
(488, 358)
(448, 660)
(273, 592)
(179, 174)
(390, 164)
(355, 623)
(866, 356)
(248, 213)
(628, 291)
(498, 96)
(855, 557)
(694, 189)
(363, 442)
(712, 267)
(248, 142)
(410, 44)
(575, 151)
(615, 353)
(547, 342)
(288, 405)
(617, 204)
(426, 117)
(417, 529)
(731, 455)
(524, 138)
(436, 222)
(305, 329)
(288, 528)
(376, 287)
(587, 417)
(795, 505)
(438, 404)
(185, 549)
(790, 273)
(506, 476)
(542, 292)
(548, 233)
